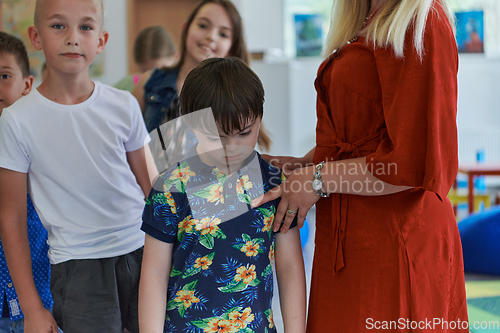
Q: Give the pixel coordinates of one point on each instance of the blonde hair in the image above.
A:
(389, 26)
(99, 6)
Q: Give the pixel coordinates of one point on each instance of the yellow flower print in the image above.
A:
(271, 255)
(283, 177)
(187, 297)
(268, 222)
(208, 226)
(243, 184)
(245, 274)
(219, 173)
(171, 202)
(216, 194)
(182, 173)
(270, 319)
(250, 249)
(217, 325)
(203, 262)
(242, 319)
(187, 224)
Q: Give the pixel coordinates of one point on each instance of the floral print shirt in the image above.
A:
(222, 264)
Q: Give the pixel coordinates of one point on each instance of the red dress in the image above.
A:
(392, 261)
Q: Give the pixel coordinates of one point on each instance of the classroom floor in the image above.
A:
(483, 302)
(483, 292)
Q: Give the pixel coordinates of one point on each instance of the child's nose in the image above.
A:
(72, 38)
(211, 34)
(231, 146)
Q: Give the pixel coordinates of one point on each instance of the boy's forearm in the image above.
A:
(153, 285)
(137, 161)
(152, 304)
(18, 256)
(14, 235)
(291, 281)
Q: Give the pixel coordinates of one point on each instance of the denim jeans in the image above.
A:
(7, 326)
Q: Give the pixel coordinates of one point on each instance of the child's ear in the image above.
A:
(103, 39)
(28, 84)
(34, 37)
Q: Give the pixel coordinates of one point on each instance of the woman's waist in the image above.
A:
(336, 148)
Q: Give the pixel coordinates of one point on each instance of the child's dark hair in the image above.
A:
(12, 45)
(153, 43)
(227, 85)
(238, 47)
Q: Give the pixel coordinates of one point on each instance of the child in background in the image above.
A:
(214, 27)
(15, 82)
(153, 48)
(80, 146)
(203, 240)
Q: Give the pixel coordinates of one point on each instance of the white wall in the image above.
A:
(115, 53)
(478, 91)
(263, 23)
(290, 106)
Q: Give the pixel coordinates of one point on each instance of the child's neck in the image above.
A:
(68, 89)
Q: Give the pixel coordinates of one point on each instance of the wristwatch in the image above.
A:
(317, 183)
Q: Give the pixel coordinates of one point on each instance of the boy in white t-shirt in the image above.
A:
(77, 146)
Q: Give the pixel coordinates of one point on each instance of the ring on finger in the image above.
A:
(292, 212)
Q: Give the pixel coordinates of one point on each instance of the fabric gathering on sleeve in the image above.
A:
(419, 98)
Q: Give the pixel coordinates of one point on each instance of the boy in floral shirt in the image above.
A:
(208, 257)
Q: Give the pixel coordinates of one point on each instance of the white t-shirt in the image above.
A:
(78, 176)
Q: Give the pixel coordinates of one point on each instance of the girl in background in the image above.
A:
(153, 48)
(214, 27)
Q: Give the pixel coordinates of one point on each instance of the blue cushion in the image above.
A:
(480, 235)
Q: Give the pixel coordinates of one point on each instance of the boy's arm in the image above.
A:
(153, 285)
(137, 161)
(14, 234)
(291, 280)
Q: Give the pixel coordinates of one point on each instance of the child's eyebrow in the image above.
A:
(89, 19)
(55, 16)
(60, 17)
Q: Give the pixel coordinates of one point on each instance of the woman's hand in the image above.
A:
(296, 194)
(287, 164)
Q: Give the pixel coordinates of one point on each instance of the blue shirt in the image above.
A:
(37, 236)
(222, 262)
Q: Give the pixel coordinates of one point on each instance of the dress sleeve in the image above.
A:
(419, 99)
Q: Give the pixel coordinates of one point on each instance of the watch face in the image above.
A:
(317, 184)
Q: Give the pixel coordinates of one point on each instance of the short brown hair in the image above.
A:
(12, 45)
(153, 43)
(228, 86)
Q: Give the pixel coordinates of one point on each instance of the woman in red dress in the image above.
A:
(388, 252)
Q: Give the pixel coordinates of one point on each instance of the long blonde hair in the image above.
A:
(389, 25)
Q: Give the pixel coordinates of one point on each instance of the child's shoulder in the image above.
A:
(271, 174)
(108, 91)
(24, 108)
(115, 98)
